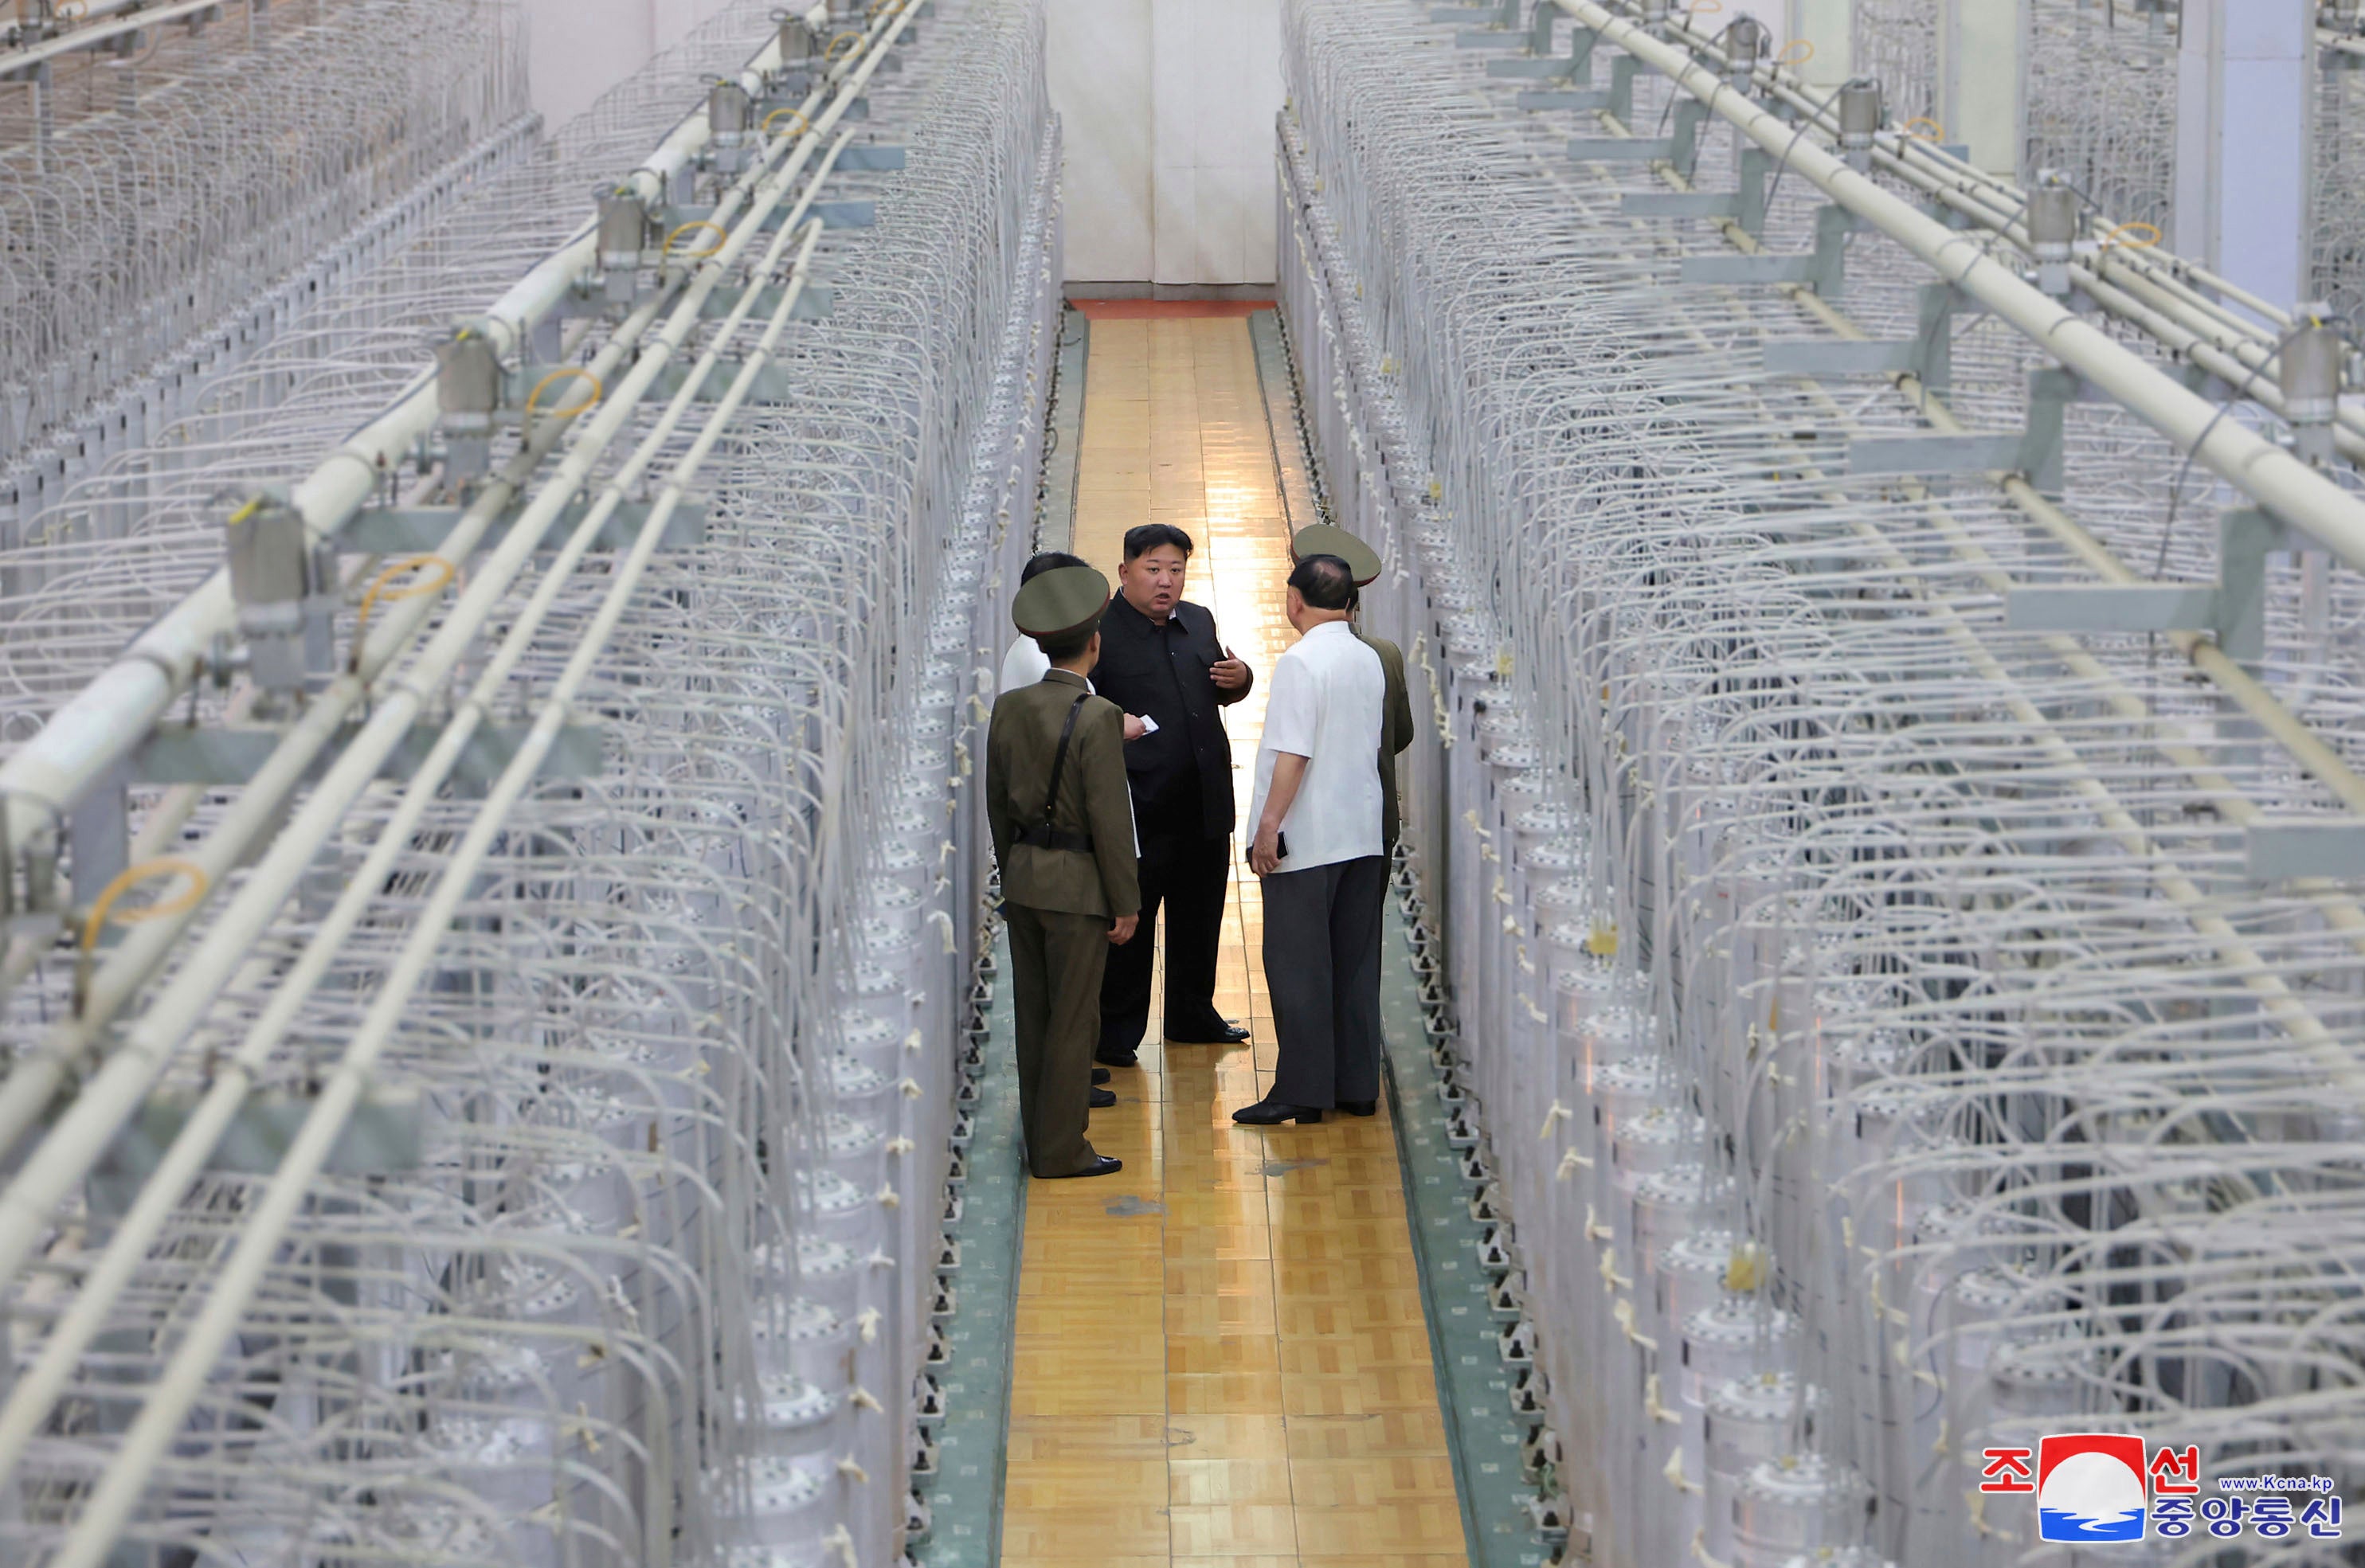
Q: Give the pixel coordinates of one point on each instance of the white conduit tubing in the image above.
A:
(2287, 486)
(119, 1489)
(82, 1132)
(28, 1404)
(37, 1076)
(99, 726)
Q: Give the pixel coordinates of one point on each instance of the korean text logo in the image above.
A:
(2090, 1489)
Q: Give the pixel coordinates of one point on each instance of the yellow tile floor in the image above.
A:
(1221, 1356)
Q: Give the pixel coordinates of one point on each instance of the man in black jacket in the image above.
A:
(1162, 661)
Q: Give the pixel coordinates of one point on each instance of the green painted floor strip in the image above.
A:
(964, 1496)
(1474, 1385)
(1054, 518)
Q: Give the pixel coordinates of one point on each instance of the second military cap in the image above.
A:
(1322, 539)
(1060, 602)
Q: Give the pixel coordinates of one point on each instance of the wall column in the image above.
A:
(2245, 132)
(1830, 26)
(1983, 81)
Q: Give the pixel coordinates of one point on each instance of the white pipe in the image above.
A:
(64, 1156)
(2293, 490)
(98, 727)
(118, 1490)
(29, 1403)
(86, 31)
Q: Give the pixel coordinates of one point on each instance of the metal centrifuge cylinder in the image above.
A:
(275, 576)
(624, 235)
(1745, 46)
(1860, 116)
(2053, 218)
(2310, 372)
(468, 394)
(729, 114)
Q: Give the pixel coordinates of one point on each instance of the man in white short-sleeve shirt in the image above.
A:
(1316, 815)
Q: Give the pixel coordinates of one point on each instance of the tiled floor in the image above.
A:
(1221, 1354)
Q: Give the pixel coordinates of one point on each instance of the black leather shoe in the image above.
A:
(1100, 1076)
(1224, 1033)
(1359, 1107)
(1102, 1165)
(1273, 1113)
(1117, 1059)
(1102, 1099)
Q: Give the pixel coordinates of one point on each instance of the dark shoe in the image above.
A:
(1359, 1107)
(1102, 1099)
(1273, 1113)
(1116, 1058)
(1100, 1076)
(1102, 1165)
(1224, 1032)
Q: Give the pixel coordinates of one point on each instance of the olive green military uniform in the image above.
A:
(1395, 734)
(1059, 897)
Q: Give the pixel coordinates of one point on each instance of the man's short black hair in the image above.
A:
(1060, 650)
(1141, 540)
(1048, 561)
(1324, 581)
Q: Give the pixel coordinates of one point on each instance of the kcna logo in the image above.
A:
(2090, 1486)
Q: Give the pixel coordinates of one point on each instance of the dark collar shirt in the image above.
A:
(1182, 776)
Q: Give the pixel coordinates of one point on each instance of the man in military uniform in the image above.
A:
(1396, 717)
(1395, 730)
(1062, 824)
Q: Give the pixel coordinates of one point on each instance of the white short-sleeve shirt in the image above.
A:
(1324, 704)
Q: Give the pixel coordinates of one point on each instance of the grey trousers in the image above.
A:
(1056, 962)
(1322, 966)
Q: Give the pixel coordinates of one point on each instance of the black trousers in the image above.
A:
(1055, 976)
(1189, 876)
(1322, 967)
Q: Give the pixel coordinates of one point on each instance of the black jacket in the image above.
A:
(1161, 673)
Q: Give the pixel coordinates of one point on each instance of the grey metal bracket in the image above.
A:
(1578, 99)
(2035, 451)
(1689, 115)
(2234, 609)
(1823, 269)
(1930, 454)
(1489, 38)
(866, 157)
(2282, 848)
(1465, 13)
(409, 530)
(98, 831)
(1680, 204)
(1935, 335)
(233, 753)
(1841, 357)
(1622, 149)
(1622, 72)
(2246, 537)
(2111, 607)
(847, 214)
(771, 383)
(385, 1133)
(1757, 164)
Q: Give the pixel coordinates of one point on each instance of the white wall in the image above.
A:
(1168, 108)
(577, 49)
